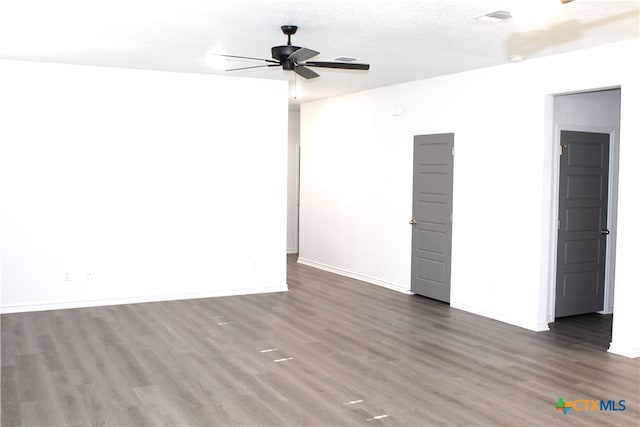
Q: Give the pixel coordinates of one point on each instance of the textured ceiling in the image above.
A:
(402, 40)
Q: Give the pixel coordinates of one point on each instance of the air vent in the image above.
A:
(497, 16)
(345, 59)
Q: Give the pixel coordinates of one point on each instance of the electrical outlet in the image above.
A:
(67, 276)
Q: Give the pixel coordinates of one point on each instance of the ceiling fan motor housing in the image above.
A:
(281, 53)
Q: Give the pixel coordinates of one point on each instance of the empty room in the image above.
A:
(319, 213)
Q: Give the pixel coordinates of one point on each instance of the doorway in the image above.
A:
(585, 151)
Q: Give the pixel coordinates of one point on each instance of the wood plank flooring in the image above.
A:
(330, 352)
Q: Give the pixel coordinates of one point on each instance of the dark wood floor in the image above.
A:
(333, 352)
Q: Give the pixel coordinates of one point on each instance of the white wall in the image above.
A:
(293, 181)
(594, 109)
(356, 170)
(160, 185)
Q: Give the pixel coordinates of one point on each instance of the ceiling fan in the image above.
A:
(296, 59)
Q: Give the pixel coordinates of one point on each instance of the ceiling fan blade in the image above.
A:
(305, 72)
(341, 65)
(247, 57)
(254, 66)
(302, 54)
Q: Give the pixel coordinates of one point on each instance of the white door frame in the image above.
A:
(614, 144)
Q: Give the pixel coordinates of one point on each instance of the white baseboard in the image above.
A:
(292, 251)
(630, 351)
(357, 276)
(135, 300)
(535, 326)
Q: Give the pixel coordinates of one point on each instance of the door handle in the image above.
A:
(604, 231)
(413, 222)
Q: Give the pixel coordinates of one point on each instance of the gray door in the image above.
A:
(432, 208)
(582, 222)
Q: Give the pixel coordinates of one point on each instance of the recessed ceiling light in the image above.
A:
(516, 58)
(497, 16)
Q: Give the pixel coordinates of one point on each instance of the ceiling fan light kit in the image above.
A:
(296, 58)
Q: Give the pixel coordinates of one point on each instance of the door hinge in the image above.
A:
(561, 149)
